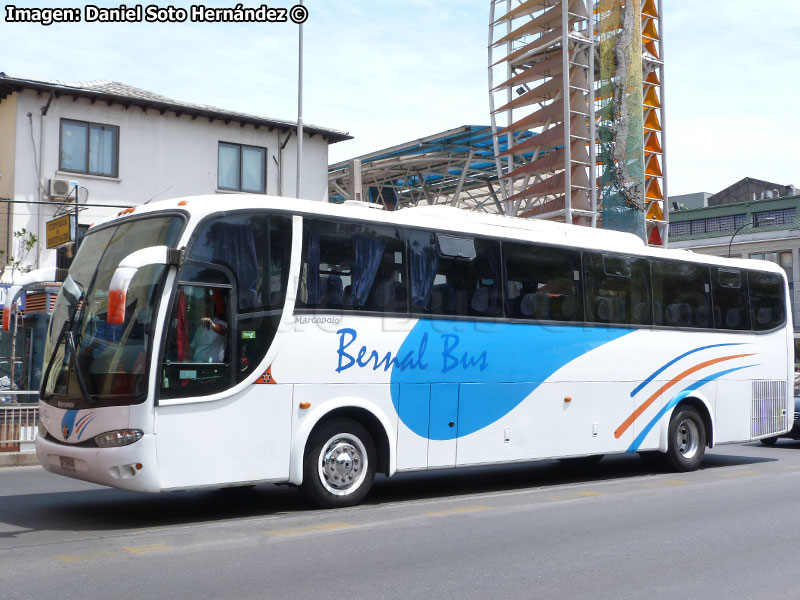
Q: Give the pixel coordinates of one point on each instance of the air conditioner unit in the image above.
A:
(62, 188)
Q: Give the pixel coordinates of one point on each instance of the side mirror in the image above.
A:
(37, 276)
(126, 271)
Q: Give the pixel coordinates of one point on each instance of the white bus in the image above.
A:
(230, 341)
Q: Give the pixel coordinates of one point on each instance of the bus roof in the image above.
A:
(443, 218)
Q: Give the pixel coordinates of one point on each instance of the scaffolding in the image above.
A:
(542, 53)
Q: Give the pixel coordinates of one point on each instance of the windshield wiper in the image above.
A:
(66, 330)
(73, 352)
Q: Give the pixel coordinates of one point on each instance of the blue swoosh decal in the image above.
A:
(68, 422)
(515, 357)
(677, 398)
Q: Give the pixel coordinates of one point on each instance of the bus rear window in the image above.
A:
(731, 305)
(766, 300)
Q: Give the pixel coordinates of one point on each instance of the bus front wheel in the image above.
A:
(339, 464)
(687, 440)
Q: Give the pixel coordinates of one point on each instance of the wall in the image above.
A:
(8, 109)
(160, 157)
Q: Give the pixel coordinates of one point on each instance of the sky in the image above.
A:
(392, 71)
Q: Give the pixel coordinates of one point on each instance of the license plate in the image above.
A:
(68, 464)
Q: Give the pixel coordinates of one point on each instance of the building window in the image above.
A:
(90, 148)
(242, 168)
(784, 216)
(680, 228)
(726, 223)
(709, 225)
(698, 226)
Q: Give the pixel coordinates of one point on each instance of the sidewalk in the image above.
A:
(18, 459)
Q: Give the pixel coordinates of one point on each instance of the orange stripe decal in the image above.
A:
(646, 404)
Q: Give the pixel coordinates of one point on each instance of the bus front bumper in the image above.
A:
(130, 467)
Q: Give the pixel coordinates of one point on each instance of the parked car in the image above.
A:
(794, 433)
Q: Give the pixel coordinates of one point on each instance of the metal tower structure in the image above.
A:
(586, 77)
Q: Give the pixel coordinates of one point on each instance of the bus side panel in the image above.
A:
(239, 439)
(584, 416)
(732, 422)
(414, 408)
(517, 435)
(557, 419)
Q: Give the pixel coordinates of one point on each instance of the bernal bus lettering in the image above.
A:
(421, 339)
(413, 359)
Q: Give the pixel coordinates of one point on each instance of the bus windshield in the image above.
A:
(90, 362)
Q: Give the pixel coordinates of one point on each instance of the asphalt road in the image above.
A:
(543, 530)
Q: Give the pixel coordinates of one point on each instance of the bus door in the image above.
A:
(443, 425)
(204, 436)
(428, 425)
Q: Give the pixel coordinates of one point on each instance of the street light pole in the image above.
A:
(763, 221)
(734, 235)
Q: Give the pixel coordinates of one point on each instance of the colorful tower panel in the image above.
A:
(653, 93)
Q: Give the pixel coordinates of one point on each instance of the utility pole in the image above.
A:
(299, 108)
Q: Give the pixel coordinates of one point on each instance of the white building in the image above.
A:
(124, 146)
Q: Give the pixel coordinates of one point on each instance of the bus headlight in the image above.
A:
(122, 437)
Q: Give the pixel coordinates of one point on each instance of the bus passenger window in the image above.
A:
(454, 275)
(352, 267)
(617, 289)
(543, 283)
(731, 303)
(681, 294)
(766, 300)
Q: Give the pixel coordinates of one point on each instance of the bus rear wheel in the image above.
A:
(687, 440)
(339, 464)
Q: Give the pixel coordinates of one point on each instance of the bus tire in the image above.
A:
(770, 441)
(687, 440)
(339, 464)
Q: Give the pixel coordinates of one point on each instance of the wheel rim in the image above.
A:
(687, 438)
(342, 464)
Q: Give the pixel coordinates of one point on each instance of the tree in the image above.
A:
(24, 242)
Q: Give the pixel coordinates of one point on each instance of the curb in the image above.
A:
(18, 459)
